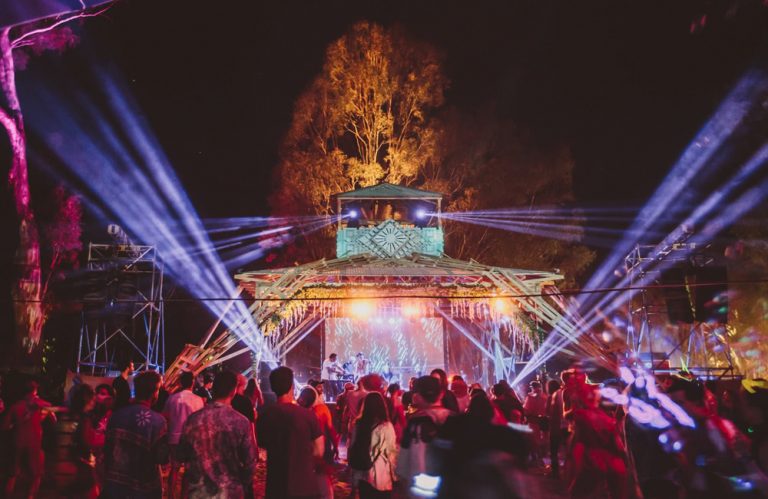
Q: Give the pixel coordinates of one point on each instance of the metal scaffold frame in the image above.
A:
(123, 314)
(647, 262)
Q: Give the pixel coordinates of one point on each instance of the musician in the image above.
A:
(362, 366)
(331, 373)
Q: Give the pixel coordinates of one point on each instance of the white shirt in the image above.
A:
(383, 453)
(330, 370)
(178, 407)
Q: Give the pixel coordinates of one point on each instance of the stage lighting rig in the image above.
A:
(118, 234)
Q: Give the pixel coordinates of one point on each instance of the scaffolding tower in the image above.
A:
(123, 310)
(644, 266)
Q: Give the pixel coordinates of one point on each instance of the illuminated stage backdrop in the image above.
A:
(411, 346)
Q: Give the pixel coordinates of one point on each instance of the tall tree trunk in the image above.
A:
(28, 308)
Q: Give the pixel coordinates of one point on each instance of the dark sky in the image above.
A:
(625, 84)
(625, 87)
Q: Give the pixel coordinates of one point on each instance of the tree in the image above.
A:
(489, 162)
(375, 113)
(16, 46)
(364, 119)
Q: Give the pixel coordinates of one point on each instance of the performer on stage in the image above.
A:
(362, 366)
(331, 372)
(387, 374)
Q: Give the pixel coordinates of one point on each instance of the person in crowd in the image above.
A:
(395, 409)
(460, 389)
(311, 399)
(341, 409)
(293, 440)
(324, 417)
(755, 418)
(218, 446)
(480, 458)
(421, 428)
(136, 444)
(162, 398)
(373, 451)
(319, 385)
(448, 397)
(85, 440)
(330, 373)
(599, 457)
(76, 381)
(474, 389)
(366, 384)
(576, 380)
(557, 433)
(408, 396)
(121, 386)
(506, 401)
(178, 408)
(102, 411)
(715, 456)
(204, 390)
(535, 411)
(243, 404)
(24, 419)
(253, 392)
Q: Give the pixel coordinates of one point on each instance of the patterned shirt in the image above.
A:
(137, 443)
(218, 444)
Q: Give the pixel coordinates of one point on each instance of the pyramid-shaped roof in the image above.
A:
(385, 190)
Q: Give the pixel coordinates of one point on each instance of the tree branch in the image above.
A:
(29, 34)
(9, 124)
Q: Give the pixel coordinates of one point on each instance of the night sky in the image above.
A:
(625, 84)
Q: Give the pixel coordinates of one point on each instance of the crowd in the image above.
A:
(623, 438)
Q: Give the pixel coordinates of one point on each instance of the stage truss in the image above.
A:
(123, 313)
(703, 347)
(289, 303)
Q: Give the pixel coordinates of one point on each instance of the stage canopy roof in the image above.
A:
(386, 190)
(415, 272)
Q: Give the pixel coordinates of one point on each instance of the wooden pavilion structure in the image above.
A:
(392, 257)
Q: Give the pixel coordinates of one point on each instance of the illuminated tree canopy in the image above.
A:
(376, 112)
(365, 119)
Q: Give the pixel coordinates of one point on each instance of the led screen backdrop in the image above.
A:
(411, 346)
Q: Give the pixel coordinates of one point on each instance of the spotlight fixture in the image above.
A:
(421, 213)
(352, 213)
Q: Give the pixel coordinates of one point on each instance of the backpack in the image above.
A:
(359, 454)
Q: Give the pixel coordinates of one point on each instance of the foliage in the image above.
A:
(491, 162)
(56, 40)
(62, 235)
(375, 113)
(363, 120)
